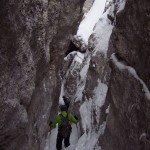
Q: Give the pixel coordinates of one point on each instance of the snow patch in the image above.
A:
(72, 53)
(102, 33)
(52, 137)
(88, 141)
(85, 111)
(132, 71)
(81, 83)
(107, 110)
(91, 18)
(121, 5)
(51, 140)
(79, 57)
(100, 94)
(61, 101)
(83, 72)
(143, 135)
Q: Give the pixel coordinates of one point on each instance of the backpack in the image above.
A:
(65, 127)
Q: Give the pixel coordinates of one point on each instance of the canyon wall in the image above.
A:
(128, 121)
(34, 36)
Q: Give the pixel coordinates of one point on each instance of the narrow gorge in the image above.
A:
(95, 53)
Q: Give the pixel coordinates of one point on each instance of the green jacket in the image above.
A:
(57, 119)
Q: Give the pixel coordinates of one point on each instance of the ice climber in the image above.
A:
(64, 120)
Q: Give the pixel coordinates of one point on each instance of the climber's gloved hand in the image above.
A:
(76, 117)
(50, 123)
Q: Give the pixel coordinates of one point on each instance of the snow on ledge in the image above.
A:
(121, 5)
(91, 18)
(79, 57)
(143, 135)
(132, 71)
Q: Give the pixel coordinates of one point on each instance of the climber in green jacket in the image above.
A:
(64, 121)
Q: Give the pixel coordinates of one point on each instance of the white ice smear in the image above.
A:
(82, 81)
(72, 53)
(61, 101)
(121, 5)
(102, 32)
(84, 70)
(100, 94)
(85, 111)
(107, 110)
(91, 18)
(88, 141)
(132, 71)
(143, 135)
(79, 57)
(99, 98)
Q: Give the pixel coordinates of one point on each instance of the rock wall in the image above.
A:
(87, 5)
(128, 122)
(34, 36)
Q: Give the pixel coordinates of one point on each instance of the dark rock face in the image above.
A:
(128, 122)
(128, 118)
(130, 38)
(34, 36)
